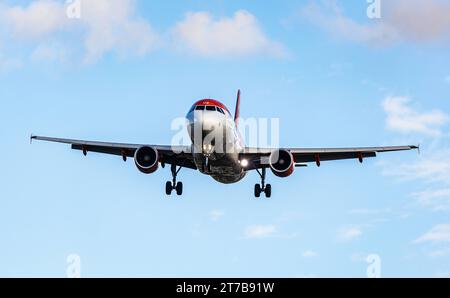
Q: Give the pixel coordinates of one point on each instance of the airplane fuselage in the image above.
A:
(216, 141)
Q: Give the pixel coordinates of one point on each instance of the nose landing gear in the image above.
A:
(206, 167)
(171, 186)
(259, 188)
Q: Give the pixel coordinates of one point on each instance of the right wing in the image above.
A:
(329, 154)
(178, 155)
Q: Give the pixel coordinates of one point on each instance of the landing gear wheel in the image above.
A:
(263, 187)
(179, 188)
(257, 190)
(169, 188)
(268, 191)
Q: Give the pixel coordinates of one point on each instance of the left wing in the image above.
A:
(179, 155)
(317, 155)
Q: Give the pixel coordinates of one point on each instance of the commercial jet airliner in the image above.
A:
(217, 150)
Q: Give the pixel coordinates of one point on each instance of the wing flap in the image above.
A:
(268, 151)
(311, 157)
(129, 152)
(179, 155)
(307, 155)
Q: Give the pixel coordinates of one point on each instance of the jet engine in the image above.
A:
(282, 163)
(146, 159)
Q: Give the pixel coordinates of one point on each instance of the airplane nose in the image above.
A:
(204, 123)
(205, 120)
(209, 121)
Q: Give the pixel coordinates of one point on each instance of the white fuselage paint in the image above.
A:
(216, 145)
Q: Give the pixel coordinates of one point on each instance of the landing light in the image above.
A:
(244, 163)
(208, 148)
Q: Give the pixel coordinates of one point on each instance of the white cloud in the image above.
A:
(51, 52)
(439, 233)
(9, 64)
(105, 26)
(260, 231)
(419, 20)
(37, 20)
(401, 117)
(113, 25)
(240, 35)
(402, 20)
(439, 253)
(309, 254)
(349, 233)
(436, 199)
(366, 211)
(330, 18)
(431, 168)
(216, 215)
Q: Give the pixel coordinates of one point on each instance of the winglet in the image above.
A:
(238, 107)
(32, 137)
(418, 149)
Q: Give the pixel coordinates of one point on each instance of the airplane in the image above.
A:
(223, 156)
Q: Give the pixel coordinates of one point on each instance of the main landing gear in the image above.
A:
(171, 186)
(259, 188)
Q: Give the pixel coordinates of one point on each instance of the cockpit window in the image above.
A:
(210, 108)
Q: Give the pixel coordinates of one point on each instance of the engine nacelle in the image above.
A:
(146, 159)
(282, 163)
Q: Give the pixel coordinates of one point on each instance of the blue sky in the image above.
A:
(124, 71)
